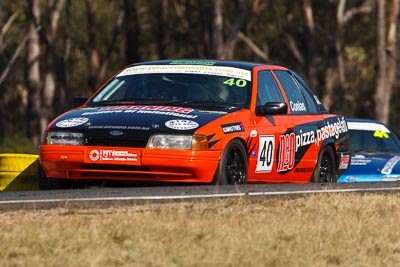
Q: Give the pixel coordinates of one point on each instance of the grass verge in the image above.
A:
(317, 230)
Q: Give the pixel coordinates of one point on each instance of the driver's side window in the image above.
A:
(268, 90)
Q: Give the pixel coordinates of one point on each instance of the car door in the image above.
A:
(307, 118)
(269, 128)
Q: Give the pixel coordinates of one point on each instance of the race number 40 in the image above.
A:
(266, 150)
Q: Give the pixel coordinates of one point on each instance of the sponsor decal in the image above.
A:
(304, 139)
(298, 106)
(212, 111)
(182, 124)
(381, 134)
(144, 107)
(189, 69)
(253, 133)
(391, 179)
(388, 168)
(303, 170)
(116, 133)
(192, 62)
(286, 155)
(232, 127)
(334, 129)
(157, 110)
(344, 162)
(266, 148)
(360, 161)
(351, 178)
(113, 155)
(120, 127)
(290, 143)
(72, 122)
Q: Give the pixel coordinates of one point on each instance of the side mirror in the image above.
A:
(78, 101)
(272, 108)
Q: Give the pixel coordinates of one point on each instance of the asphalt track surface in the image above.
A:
(103, 197)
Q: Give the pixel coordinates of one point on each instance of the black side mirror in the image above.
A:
(272, 108)
(78, 101)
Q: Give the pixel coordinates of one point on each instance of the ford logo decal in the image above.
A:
(116, 132)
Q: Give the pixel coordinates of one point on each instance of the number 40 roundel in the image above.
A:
(265, 154)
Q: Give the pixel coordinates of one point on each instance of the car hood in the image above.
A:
(373, 168)
(146, 119)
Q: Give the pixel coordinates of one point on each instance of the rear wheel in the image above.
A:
(46, 183)
(232, 168)
(325, 171)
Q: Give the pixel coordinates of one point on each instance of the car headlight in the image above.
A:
(183, 142)
(63, 138)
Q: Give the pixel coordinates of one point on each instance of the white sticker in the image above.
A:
(72, 122)
(266, 149)
(253, 133)
(367, 126)
(388, 168)
(182, 124)
(189, 69)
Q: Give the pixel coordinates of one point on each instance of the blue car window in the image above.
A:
(311, 102)
(297, 102)
(372, 141)
(268, 90)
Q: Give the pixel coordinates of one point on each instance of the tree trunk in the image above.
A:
(163, 29)
(391, 48)
(94, 57)
(381, 104)
(63, 97)
(132, 32)
(33, 74)
(217, 36)
(50, 80)
(312, 66)
(343, 17)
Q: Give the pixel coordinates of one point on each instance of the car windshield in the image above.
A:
(365, 141)
(135, 85)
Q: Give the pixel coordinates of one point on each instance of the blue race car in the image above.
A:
(375, 153)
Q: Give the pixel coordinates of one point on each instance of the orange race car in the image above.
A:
(198, 121)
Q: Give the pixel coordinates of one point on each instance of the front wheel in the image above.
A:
(232, 168)
(325, 170)
(46, 183)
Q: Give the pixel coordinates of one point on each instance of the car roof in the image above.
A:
(207, 62)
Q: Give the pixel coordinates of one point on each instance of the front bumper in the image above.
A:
(122, 163)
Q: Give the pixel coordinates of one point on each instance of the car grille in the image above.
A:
(116, 142)
(114, 167)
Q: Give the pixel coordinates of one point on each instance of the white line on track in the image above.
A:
(180, 197)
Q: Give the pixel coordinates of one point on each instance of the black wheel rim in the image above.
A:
(326, 169)
(235, 167)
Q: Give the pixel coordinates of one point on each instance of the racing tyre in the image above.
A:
(325, 171)
(232, 168)
(52, 183)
